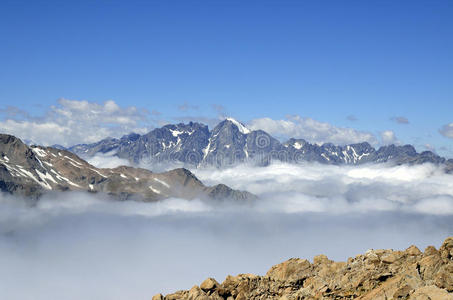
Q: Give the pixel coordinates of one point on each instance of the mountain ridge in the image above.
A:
(231, 142)
(33, 171)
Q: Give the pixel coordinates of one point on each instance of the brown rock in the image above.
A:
(430, 250)
(176, 296)
(446, 250)
(402, 292)
(241, 296)
(444, 280)
(292, 270)
(429, 266)
(321, 259)
(158, 297)
(431, 293)
(389, 258)
(215, 296)
(209, 284)
(196, 293)
(378, 274)
(413, 251)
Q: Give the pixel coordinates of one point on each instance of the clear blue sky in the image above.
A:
(320, 59)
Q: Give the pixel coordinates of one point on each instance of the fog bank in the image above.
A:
(341, 189)
(81, 246)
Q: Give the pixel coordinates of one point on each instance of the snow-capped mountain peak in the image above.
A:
(242, 128)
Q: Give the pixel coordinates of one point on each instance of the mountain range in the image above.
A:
(231, 142)
(32, 171)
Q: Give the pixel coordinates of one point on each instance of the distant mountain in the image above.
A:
(33, 171)
(231, 142)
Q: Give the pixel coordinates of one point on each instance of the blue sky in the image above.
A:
(325, 60)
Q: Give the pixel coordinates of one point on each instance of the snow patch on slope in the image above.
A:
(242, 128)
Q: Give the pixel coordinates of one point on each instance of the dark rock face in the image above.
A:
(16, 179)
(231, 143)
(33, 171)
(377, 274)
(181, 142)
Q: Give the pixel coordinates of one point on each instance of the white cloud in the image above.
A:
(82, 246)
(447, 130)
(312, 130)
(107, 160)
(72, 121)
(388, 137)
(341, 189)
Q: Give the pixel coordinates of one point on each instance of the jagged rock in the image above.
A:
(292, 270)
(430, 250)
(446, 250)
(389, 258)
(209, 284)
(403, 292)
(177, 296)
(158, 297)
(321, 259)
(195, 293)
(413, 250)
(405, 274)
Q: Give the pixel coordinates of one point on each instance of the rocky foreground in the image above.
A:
(377, 274)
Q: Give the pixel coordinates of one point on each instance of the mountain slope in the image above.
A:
(377, 274)
(231, 142)
(32, 171)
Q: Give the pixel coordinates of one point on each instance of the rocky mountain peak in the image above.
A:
(231, 126)
(241, 127)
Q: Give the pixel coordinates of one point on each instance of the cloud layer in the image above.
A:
(72, 121)
(342, 189)
(80, 246)
(388, 137)
(312, 130)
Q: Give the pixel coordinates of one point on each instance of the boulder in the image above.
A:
(209, 284)
(195, 293)
(292, 270)
(413, 251)
(389, 258)
(446, 250)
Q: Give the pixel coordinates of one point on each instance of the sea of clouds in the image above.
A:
(80, 246)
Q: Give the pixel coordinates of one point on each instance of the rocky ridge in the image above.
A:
(377, 274)
(33, 171)
(231, 142)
